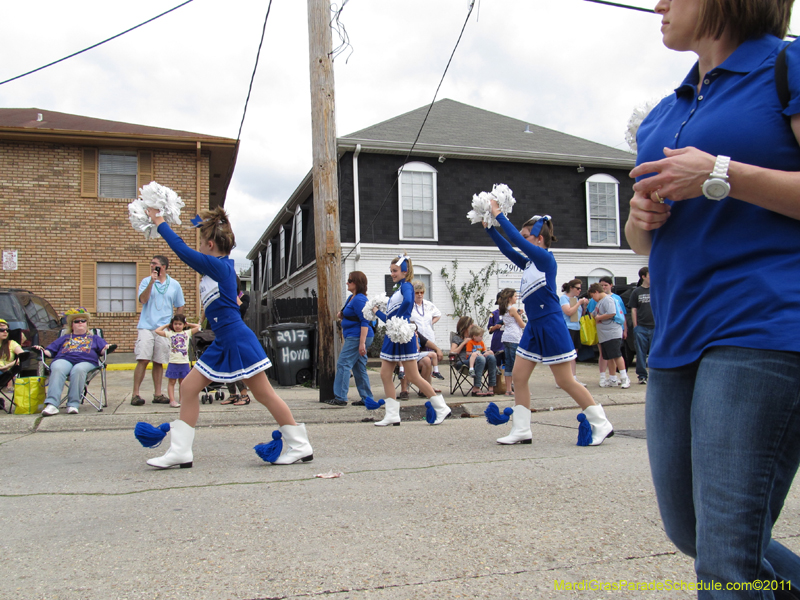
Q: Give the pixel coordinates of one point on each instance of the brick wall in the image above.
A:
(54, 230)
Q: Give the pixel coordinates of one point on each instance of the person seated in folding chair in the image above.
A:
(10, 352)
(458, 348)
(75, 354)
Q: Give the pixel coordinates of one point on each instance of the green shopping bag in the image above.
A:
(29, 395)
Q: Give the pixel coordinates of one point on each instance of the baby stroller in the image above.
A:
(200, 341)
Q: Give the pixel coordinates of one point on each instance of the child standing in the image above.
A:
(475, 347)
(609, 334)
(178, 337)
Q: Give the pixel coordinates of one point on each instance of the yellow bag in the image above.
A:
(29, 395)
(588, 331)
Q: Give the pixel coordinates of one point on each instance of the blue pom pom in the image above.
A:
(493, 416)
(372, 405)
(270, 452)
(150, 436)
(430, 413)
(584, 431)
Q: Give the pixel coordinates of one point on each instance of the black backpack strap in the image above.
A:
(782, 78)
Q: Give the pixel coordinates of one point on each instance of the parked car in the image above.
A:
(31, 321)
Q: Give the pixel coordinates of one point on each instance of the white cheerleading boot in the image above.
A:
(180, 448)
(520, 427)
(297, 448)
(441, 408)
(392, 415)
(601, 428)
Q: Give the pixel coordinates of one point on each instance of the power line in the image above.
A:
(646, 10)
(419, 133)
(55, 62)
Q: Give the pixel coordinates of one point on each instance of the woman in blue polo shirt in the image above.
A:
(358, 336)
(716, 206)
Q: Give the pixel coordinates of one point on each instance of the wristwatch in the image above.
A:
(716, 187)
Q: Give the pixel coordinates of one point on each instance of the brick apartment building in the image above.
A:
(65, 184)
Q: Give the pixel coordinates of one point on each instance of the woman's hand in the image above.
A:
(495, 207)
(679, 176)
(362, 349)
(153, 214)
(646, 213)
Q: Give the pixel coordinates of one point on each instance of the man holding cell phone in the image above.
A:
(161, 297)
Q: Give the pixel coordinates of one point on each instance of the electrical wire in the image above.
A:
(113, 37)
(337, 26)
(419, 133)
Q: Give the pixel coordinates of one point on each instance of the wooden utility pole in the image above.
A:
(326, 190)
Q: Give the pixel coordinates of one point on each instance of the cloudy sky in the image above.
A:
(570, 65)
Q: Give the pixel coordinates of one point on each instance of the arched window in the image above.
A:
(298, 237)
(417, 202)
(424, 275)
(602, 210)
(282, 252)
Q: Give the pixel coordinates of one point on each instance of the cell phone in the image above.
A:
(158, 270)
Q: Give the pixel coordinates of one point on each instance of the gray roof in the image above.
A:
(455, 129)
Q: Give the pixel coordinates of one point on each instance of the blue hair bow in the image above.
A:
(197, 221)
(540, 221)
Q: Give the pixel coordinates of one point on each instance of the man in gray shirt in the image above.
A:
(609, 334)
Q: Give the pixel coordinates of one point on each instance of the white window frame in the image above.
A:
(298, 237)
(119, 167)
(282, 252)
(418, 167)
(605, 179)
(269, 266)
(123, 287)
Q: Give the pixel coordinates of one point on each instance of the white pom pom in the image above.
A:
(399, 330)
(638, 115)
(482, 207)
(379, 300)
(154, 195)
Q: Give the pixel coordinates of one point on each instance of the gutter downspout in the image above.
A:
(198, 163)
(356, 202)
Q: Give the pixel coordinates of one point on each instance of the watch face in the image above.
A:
(716, 189)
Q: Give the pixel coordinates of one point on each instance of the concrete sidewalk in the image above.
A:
(304, 403)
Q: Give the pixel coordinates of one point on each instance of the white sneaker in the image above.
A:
(49, 410)
(72, 410)
(472, 372)
(626, 383)
(606, 383)
(603, 381)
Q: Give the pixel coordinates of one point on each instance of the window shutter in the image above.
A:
(89, 173)
(145, 169)
(142, 271)
(88, 286)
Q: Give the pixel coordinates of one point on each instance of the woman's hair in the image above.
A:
(596, 287)
(546, 232)
(217, 227)
(359, 280)
(744, 19)
(571, 284)
(178, 317)
(503, 298)
(475, 330)
(5, 346)
(463, 325)
(418, 286)
(410, 268)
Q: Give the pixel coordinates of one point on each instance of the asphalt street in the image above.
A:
(417, 512)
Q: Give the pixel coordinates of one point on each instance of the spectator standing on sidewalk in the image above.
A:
(609, 334)
(643, 323)
(161, 297)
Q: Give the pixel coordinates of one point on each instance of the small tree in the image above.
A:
(470, 299)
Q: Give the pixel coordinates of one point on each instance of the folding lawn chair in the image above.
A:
(461, 380)
(6, 377)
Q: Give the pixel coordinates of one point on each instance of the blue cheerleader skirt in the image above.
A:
(234, 354)
(394, 352)
(546, 340)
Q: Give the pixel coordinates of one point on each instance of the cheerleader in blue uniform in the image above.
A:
(546, 338)
(235, 353)
(400, 305)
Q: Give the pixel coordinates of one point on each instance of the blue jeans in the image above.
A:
(60, 369)
(484, 362)
(643, 337)
(510, 356)
(723, 445)
(351, 360)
